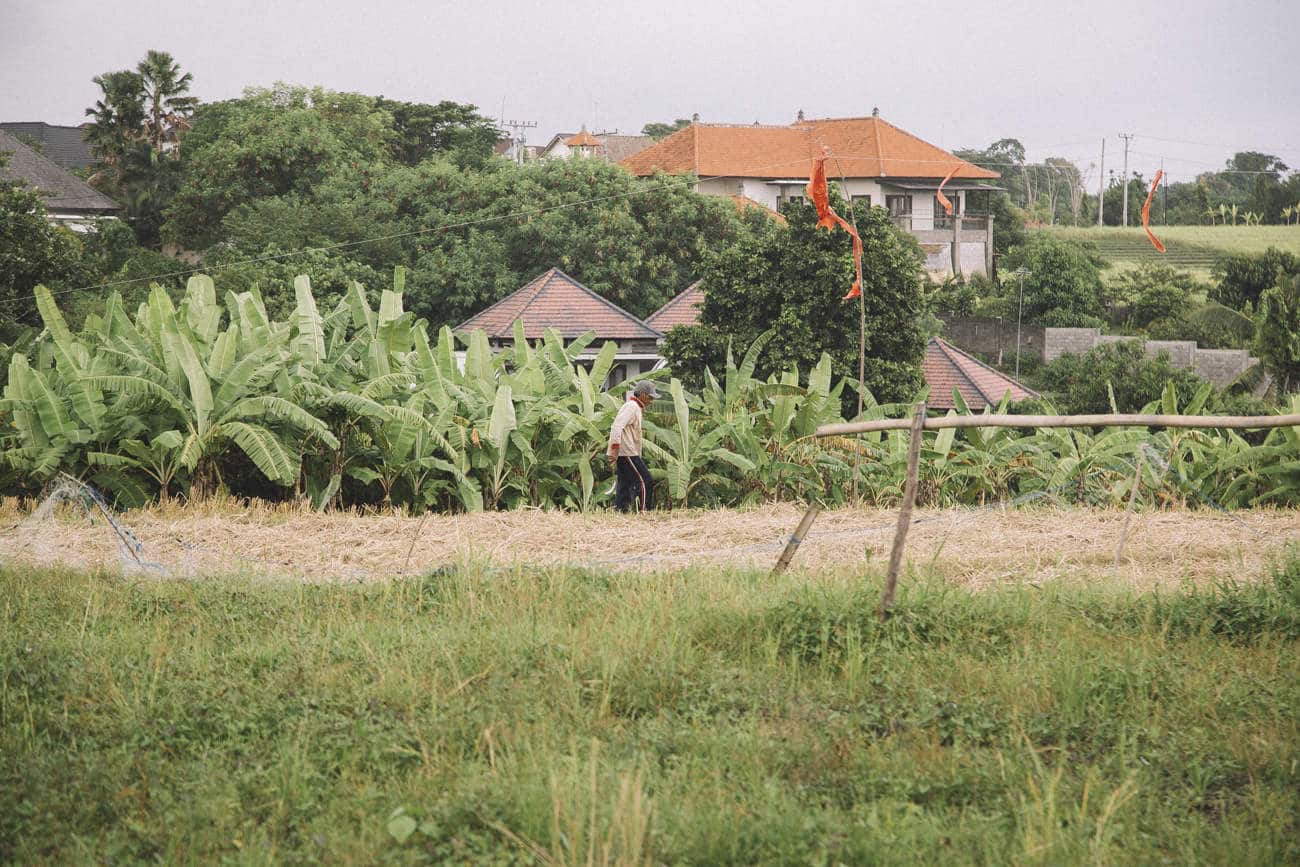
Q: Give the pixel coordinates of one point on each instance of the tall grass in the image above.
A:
(698, 717)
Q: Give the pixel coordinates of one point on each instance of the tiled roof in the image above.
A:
(744, 202)
(556, 300)
(65, 146)
(946, 368)
(619, 147)
(683, 309)
(62, 192)
(582, 139)
(860, 147)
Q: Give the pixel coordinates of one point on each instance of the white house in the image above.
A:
(873, 162)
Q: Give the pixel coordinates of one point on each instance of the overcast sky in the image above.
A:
(1194, 80)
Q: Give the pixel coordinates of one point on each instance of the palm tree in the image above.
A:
(168, 108)
(117, 115)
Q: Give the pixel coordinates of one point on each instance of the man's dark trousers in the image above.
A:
(633, 485)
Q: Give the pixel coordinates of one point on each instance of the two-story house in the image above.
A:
(873, 161)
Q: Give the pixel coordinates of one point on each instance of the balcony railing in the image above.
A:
(969, 222)
(940, 222)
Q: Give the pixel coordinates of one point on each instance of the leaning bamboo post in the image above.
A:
(800, 533)
(1128, 512)
(905, 512)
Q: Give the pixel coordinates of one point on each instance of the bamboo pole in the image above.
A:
(1045, 421)
(1128, 512)
(905, 511)
(800, 533)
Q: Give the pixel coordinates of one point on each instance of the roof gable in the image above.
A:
(859, 147)
(65, 146)
(556, 300)
(683, 309)
(946, 368)
(61, 191)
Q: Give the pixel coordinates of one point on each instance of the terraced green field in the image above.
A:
(1190, 248)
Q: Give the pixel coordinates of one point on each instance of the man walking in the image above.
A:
(633, 482)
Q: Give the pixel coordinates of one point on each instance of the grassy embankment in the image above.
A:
(1190, 248)
(696, 717)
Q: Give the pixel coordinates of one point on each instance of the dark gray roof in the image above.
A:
(62, 191)
(65, 146)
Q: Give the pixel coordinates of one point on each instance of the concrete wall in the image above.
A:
(1218, 366)
(993, 338)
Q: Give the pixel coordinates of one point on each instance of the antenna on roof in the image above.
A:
(875, 111)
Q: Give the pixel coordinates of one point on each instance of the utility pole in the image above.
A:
(1022, 273)
(518, 137)
(1128, 137)
(1101, 185)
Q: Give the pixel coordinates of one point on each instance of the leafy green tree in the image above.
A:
(791, 278)
(1085, 383)
(1241, 278)
(32, 250)
(1064, 279)
(663, 130)
(276, 142)
(471, 236)
(423, 130)
(1279, 333)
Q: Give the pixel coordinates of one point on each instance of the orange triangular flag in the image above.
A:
(1146, 212)
(938, 194)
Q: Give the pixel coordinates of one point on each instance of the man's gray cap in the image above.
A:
(645, 388)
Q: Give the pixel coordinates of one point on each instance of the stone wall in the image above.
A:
(1218, 366)
(994, 339)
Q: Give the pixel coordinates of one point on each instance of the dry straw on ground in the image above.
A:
(974, 548)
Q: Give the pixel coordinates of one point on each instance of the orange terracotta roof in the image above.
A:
(744, 202)
(946, 368)
(683, 309)
(860, 147)
(556, 300)
(582, 139)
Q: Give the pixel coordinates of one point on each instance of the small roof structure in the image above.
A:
(63, 192)
(556, 300)
(65, 146)
(947, 368)
(859, 147)
(683, 309)
(582, 139)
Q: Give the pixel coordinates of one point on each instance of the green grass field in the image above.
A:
(1190, 248)
(696, 717)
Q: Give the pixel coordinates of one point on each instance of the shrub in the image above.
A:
(1084, 383)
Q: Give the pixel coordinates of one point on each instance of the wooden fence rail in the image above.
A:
(1035, 421)
(919, 423)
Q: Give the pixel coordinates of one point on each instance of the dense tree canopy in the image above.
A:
(1063, 283)
(1279, 332)
(1240, 279)
(791, 278)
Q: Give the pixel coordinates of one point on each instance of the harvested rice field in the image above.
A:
(969, 547)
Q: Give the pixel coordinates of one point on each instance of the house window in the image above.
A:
(794, 200)
(955, 198)
(865, 201)
(898, 205)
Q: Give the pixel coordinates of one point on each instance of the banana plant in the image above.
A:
(689, 456)
(181, 367)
